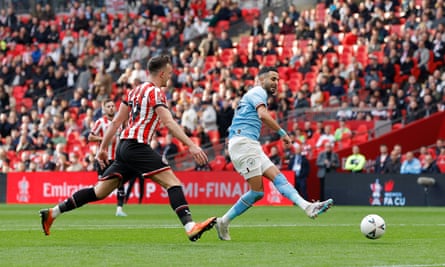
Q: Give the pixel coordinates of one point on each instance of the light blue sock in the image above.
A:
(287, 190)
(245, 202)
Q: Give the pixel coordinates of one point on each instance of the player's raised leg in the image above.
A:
(77, 200)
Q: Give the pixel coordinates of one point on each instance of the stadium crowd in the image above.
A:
(373, 60)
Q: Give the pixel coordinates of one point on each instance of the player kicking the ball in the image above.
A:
(145, 107)
(248, 157)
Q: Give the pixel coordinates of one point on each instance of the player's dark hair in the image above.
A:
(106, 101)
(157, 63)
(265, 70)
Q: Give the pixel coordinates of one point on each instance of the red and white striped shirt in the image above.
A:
(99, 129)
(143, 120)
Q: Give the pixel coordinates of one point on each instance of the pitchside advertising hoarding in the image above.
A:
(384, 190)
(199, 188)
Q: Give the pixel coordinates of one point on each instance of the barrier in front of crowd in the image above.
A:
(224, 187)
(385, 189)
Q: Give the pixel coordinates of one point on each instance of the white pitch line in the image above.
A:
(68, 226)
(413, 265)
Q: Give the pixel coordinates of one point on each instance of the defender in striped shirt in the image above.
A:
(96, 135)
(144, 108)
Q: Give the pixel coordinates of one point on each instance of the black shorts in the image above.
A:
(100, 171)
(135, 159)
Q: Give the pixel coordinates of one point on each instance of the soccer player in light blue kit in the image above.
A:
(248, 157)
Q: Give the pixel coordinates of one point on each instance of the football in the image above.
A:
(373, 226)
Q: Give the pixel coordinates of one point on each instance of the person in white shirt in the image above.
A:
(140, 52)
(189, 119)
(327, 136)
(137, 73)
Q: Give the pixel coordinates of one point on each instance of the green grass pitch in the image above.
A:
(265, 236)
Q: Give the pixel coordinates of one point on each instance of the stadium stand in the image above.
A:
(50, 56)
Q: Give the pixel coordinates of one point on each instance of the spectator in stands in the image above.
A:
(288, 26)
(203, 136)
(19, 77)
(221, 11)
(4, 161)
(189, 119)
(429, 106)
(317, 98)
(256, 28)
(423, 151)
(382, 161)
(170, 151)
(326, 137)
(372, 71)
(85, 78)
(336, 90)
(48, 13)
(225, 41)
(430, 165)
(380, 112)
(299, 164)
(4, 100)
(173, 39)
(406, 62)
(224, 117)
(327, 161)
(274, 156)
(270, 19)
(24, 141)
(355, 162)
(138, 74)
(388, 72)
(411, 165)
(208, 117)
(140, 52)
(37, 11)
(413, 111)
(308, 130)
(342, 130)
(6, 125)
(12, 20)
(301, 101)
(344, 113)
(438, 47)
(158, 45)
(437, 148)
(24, 37)
(201, 26)
(422, 56)
(190, 32)
(104, 81)
(75, 165)
(394, 164)
(209, 45)
(81, 22)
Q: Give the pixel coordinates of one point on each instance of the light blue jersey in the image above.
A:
(246, 122)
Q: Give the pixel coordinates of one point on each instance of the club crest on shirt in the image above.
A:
(251, 163)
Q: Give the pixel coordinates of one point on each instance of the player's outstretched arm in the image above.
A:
(267, 119)
(167, 119)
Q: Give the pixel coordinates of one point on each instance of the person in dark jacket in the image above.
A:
(430, 165)
(299, 164)
(394, 163)
(382, 160)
